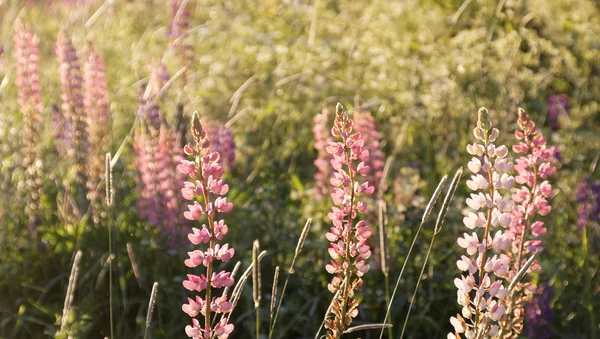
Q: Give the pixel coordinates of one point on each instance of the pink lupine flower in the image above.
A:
(95, 103)
(221, 140)
(178, 27)
(322, 139)
(159, 202)
(365, 125)
(180, 16)
(73, 110)
(533, 167)
(482, 286)
(72, 97)
(557, 106)
(206, 184)
(27, 57)
(148, 97)
(348, 248)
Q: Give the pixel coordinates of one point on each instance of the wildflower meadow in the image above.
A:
(276, 169)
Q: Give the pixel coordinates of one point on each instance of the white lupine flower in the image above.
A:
(486, 165)
(501, 151)
(466, 312)
(473, 220)
(475, 165)
(494, 134)
(496, 311)
(476, 201)
(471, 243)
(475, 149)
(459, 324)
(500, 243)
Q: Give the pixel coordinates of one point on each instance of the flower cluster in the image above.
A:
(348, 236)
(557, 106)
(27, 56)
(178, 28)
(539, 313)
(365, 125)
(158, 201)
(322, 139)
(482, 287)
(588, 197)
(95, 102)
(73, 112)
(72, 107)
(500, 314)
(533, 167)
(222, 142)
(206, 189)
(180, 19)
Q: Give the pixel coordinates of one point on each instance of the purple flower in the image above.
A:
(539, 313)
(588, 197)
(557, 106)
(221, 140)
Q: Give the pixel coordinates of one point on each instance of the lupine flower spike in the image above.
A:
(533, 168)
(30, 101)
(322, 139)
(73, 111)
(95, 101)
(482, 286)
(348, 235)
(365, 124)
(206, 190)
(588, 197)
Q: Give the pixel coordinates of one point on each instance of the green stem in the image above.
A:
(588, 283)
(417, 285)
(110, 276)
(350, 235)
(387, 301)
(257, 323)
(487, 230)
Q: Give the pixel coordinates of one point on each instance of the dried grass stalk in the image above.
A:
(70, 290)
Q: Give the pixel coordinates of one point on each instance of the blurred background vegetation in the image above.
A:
(421, 67)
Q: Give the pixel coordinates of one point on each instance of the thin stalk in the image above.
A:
(273, 295)
(349, 236)
(256, 281)
(417, 285)
(109, 202)
(531, 195)
(426, 213)
(523, 233)
(151, 305)
(211, 226)
(438, 227)
(110, 276)
(299, 247)
(384, 257)
(337, 293)
(487, 227)
(588, 283)
(239, 287)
